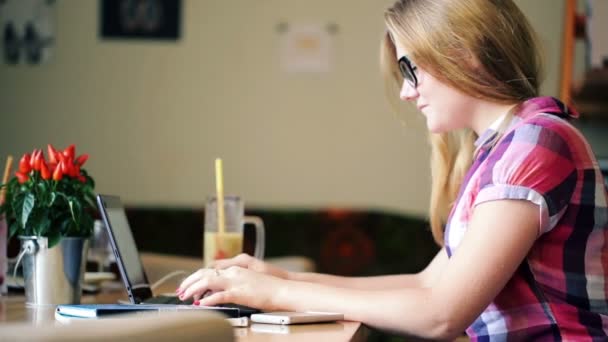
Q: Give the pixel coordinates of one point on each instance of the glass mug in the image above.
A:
(231, 242)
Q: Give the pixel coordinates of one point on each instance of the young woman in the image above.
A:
(517, 203)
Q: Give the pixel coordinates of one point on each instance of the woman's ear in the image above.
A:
(470, 59)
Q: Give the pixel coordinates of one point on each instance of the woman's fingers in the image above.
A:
(215, 286)
(193, 278)
(234, 285)
(241, 260)
(217, 298)
(210, 282)
(247, 261)
(189, 280)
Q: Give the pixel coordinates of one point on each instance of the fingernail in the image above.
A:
(179, 290)
(197, 302)
(181, 296)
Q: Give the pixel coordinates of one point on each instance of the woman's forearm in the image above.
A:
(424, 278)
(360, 283)
(406, 311)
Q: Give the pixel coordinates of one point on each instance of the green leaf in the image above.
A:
(54, 238)
(77, 209)
(28, 205)
(44, 226)
(61, 195)
(86, 225)
(12, 229)
(49, 208)
(52, 199)
(64, 227)
(71, 202)
(38, 221)
(42, 187)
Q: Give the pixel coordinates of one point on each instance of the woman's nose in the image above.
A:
(408, 92)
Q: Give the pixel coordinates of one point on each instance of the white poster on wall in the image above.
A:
(305, 48)
(27, 31)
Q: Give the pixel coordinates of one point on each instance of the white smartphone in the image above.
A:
(270, 328)
(289, 317)
(238, 321)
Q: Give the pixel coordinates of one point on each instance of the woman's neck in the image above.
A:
(488, 112)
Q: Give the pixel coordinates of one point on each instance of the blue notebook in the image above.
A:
(102, 310)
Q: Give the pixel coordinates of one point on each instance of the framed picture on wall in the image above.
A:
(140, 19)
(27, 28)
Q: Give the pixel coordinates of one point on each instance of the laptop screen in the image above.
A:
(123, 243)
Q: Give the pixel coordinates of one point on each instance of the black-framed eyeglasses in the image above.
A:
(408, 71)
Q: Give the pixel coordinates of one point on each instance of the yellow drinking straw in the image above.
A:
(221, 219)
(7, 171)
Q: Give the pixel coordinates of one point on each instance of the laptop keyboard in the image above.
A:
(239, 310)
(167, 300)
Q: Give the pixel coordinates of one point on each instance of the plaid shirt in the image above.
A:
(560, 290)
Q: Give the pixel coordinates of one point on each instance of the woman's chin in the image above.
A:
(438, 127)
(433, 128)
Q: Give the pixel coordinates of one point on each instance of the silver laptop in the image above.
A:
(131, 269)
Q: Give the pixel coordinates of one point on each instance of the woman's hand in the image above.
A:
(231, 285)
(247, 261)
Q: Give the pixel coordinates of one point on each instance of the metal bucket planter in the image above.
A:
(53, 275)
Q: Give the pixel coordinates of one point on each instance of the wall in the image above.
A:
(154, 115)
(597, 31)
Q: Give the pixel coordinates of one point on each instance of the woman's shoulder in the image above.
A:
(553, 134)
(542, 121)
(544, 126)
(546, 116)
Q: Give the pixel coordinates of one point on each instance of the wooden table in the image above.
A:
(13, 309)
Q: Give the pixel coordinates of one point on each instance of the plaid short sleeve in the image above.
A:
(560, 291)
(533, 162)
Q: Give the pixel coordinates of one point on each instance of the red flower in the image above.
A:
(44, 170)
(81, 159)
(35, 160)
(21, 177)
(58, 174)
(52, 198)
(70, 151)
(24, 164)
(53, 159)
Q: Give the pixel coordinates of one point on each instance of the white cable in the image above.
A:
(167, 277)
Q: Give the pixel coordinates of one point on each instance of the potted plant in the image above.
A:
(49, 205)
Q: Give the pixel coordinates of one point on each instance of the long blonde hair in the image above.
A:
(483, 48)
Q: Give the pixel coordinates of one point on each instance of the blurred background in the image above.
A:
(154, 113)
(288, 93)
